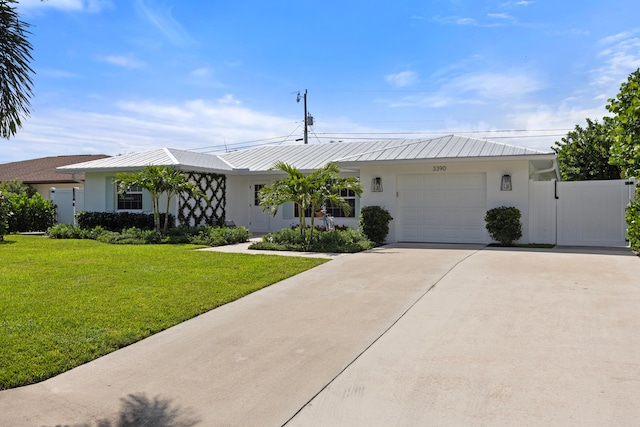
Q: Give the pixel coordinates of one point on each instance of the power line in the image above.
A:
(377, 135)
(444, 132)
(223, 145)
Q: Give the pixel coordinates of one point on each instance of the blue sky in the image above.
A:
(122, 76)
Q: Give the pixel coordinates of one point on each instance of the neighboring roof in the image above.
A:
(181, 159)
(43, 170)
(312, 156)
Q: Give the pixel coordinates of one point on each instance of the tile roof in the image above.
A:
(43, 170)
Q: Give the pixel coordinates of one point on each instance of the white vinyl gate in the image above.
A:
(580, 213)
(68, 201)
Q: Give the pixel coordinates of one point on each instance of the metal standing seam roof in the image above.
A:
(311, 156)
(446, 147)
(314, 156)
(182, 159)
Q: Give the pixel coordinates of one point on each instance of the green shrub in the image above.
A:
(335, 241)
(633, 223)
(17, 187)
(66, 231)
(118, 221)
(130, 236)
(503, 224)
(69, 231)
(374, 223)
(30, 213)
(220, 236)
(4, 215)
(202, 235)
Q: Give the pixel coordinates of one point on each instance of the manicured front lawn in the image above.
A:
(66, 302)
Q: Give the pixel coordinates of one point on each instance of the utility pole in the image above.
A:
(308, 119)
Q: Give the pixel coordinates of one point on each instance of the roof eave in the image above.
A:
(541, 156)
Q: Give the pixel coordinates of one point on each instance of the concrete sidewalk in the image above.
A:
(506, 337)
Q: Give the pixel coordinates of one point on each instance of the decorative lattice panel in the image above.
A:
(200, 211)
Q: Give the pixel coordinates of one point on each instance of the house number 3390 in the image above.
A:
(439, 168)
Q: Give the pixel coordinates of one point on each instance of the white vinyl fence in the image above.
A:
(580, 213)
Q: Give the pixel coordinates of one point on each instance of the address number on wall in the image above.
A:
(439, 168)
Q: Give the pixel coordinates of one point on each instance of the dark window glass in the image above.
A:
(131, 200)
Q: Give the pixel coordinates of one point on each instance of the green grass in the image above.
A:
(66, 302)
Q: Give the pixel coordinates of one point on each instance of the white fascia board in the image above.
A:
(520, 157)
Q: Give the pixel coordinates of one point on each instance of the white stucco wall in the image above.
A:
(240, 204)
(518, 197)
(239, 197)
(95, 192)
(45, 189)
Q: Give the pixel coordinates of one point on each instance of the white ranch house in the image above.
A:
(437, 190)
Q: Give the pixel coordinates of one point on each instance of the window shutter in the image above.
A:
(147, 203)
(109, 195)
(287, 210)
(357, 212)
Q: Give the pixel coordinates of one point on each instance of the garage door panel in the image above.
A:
(442, 208)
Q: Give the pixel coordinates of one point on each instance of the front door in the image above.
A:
(258, 220)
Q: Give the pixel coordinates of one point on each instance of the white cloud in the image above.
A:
(505, 16)
(517, 3)
(201, 72)
(91, 6)
(403, 79)
(557, 120)
(495, 85)
(620, 56)
(162, 18)
(458, 20)
(126, 61)
(139, 126)
(228, 99)
(479, 88)
(57, 74)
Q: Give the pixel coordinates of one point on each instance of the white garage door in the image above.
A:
(442, 208)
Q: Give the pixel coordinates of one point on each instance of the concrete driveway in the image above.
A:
(404, 335)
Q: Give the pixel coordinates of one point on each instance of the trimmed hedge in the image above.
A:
(335, 241)
(118, 221)
(204, 235)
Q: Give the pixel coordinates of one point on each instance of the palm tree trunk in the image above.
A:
(156, 213)
(166, 215)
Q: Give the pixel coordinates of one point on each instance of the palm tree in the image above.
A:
(177, 183)
(15, 72)
(158, 180)
(320, 187)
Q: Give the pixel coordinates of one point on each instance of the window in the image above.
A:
(348, 195)
(256, 194)
(131, 200)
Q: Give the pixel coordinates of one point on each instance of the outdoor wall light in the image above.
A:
(376, 185)
(506, 183)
